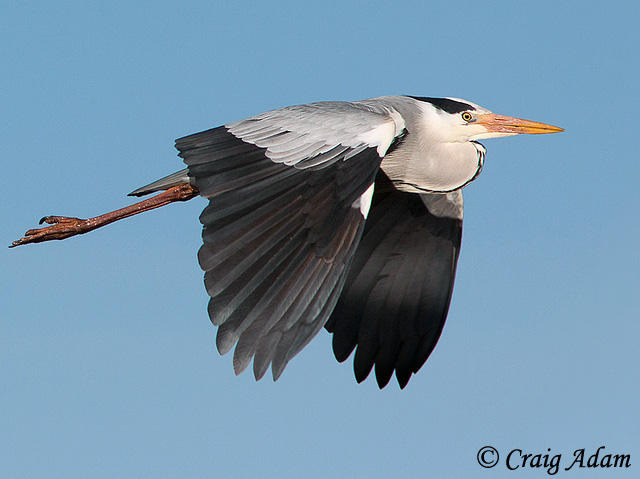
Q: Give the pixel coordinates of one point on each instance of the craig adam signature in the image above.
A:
(581, 458)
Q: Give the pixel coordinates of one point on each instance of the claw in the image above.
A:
(53, 220)
(60, 227)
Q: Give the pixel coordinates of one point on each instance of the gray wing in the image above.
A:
(289, 191)
(397, 293)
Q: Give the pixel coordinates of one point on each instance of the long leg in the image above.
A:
(64, 227)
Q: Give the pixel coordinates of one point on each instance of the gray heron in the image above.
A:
(346, 215)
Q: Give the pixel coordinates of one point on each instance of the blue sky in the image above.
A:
(108, 365)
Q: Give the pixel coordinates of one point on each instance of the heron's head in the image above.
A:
(458, 120)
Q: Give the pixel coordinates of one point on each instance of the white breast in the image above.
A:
(439, 168)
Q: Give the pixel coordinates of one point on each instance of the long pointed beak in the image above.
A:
(514, 126)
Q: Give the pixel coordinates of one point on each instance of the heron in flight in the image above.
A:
(346, 215)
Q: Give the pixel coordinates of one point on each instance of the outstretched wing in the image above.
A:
(288, 191)
(397, 293)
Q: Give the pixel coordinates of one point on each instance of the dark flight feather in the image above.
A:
(397, 293)
(278, 241)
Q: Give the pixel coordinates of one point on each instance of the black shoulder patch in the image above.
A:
(445, 104)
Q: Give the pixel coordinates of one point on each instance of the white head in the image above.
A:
(456, 120)
(441, 152)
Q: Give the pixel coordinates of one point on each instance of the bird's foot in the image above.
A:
(61, 227)
(64, 227)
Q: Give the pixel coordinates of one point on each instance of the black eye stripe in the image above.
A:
(445, 104)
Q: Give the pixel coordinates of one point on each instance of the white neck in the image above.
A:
(439, 168)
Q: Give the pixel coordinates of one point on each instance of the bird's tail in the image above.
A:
(174, 179)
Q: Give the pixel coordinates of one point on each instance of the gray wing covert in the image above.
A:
(397, 293)
(284, 218)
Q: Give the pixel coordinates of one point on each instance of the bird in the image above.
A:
(335, 214)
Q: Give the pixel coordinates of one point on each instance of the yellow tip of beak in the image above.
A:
(507, 124)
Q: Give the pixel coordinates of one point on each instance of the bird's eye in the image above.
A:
(466, 116)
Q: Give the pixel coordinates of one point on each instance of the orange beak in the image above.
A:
(506, 124)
